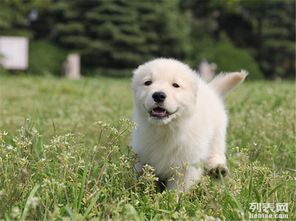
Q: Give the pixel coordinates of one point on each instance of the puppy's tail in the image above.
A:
(223, 83)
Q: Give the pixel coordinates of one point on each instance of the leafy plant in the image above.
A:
(46, 58)
(228, 58)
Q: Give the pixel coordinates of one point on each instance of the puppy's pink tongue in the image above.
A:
(159, 112)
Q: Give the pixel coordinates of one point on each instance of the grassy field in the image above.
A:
(64, 154)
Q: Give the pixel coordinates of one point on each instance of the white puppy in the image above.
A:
(181, 121)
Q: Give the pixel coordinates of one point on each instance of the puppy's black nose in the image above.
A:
(158, 96)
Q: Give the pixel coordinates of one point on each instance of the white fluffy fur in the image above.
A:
(179, 145)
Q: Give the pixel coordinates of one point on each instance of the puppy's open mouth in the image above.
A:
(160, 113)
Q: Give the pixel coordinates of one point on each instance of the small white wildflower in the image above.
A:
(9, 147)
(114, 130)
(33, 202)
(115, 147)
(61, 185)
(2, 193)
(15, 212)
(128, 122)
(95, 148)
(103, 147)
(211, 218)
(24, 160)
(102, 124)
(35, 131)
(98, 122)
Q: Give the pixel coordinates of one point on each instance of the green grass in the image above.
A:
(64, 153)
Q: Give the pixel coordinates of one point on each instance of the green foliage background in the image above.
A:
(227, 57)
(121, 34)
(46, 58)
(114, 35)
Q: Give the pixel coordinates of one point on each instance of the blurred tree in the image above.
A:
(171, 30)
(40, 18)
(29, 18)
(117, 41)
(46, 58)
(229, 58)
(274, 35)
(266, 28)
(121, 34)
(14, 17)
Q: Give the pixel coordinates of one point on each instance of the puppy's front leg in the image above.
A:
(192, 176)
(183, 180)
(216, 163)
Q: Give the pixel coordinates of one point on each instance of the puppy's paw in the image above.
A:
(219, 170)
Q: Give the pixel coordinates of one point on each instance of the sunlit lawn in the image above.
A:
(59, 159)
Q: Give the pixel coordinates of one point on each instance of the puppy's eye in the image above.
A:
(147, 83)
(176, 85)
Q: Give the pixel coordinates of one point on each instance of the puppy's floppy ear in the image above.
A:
(223, 83)
(137, 70)
(136, 76)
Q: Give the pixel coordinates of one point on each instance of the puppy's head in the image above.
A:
(164, 89)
